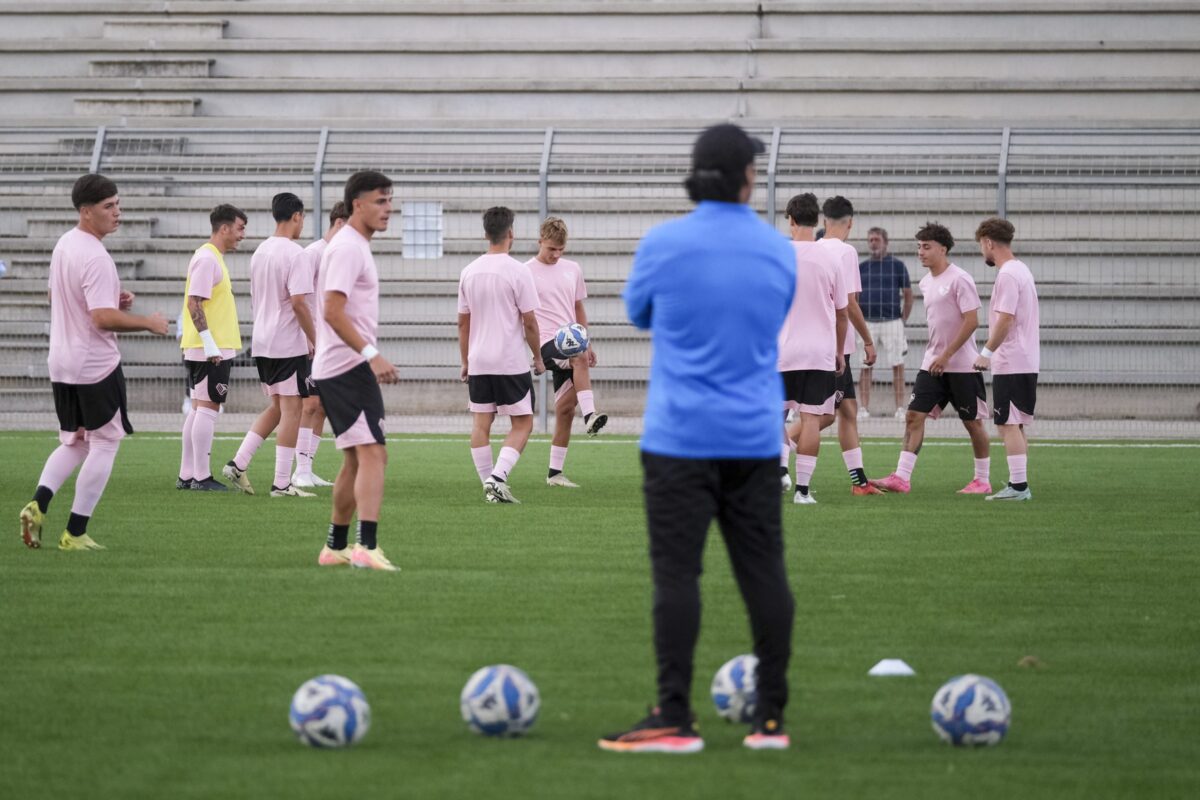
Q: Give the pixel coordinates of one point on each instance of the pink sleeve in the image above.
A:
(580, 287)
(968, 295)
(852, 276)
(101, 286)
(300, 277)
(1005, 294)
(463, 306)
(840, 293)
(527, 299)
(342, 271)
(206, 274)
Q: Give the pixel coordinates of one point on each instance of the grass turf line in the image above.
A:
(164, 666)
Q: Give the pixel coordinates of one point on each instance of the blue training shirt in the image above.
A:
(713, 288)
(882, 281)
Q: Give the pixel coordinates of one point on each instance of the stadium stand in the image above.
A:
(444, 102)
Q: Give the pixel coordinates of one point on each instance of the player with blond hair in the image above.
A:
(561, 291)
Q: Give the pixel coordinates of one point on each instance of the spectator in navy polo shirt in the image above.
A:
(884, 282)
(713, 287)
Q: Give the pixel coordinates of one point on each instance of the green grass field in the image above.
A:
(163, 667)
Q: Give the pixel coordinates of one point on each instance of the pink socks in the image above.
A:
(187, 461)
(247, 450)
(587, 402)
(558, 457)
(283, 465)
(61, 463)
(93, 477)
(482, 456)
(983, 468)
(203, 428)
(805, 467)
(504, 464)
(1016, 469)
(906, 465)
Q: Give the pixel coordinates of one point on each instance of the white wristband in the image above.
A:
(985, 352)
(210, 345)
(369, 352)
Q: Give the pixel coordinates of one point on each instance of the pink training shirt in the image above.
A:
(349, 268)
(277, 273)
(808, 339)
(205, 274)
(947, 297)
(1016, 293)
(559, 287)
(311, 255)
(847, 259)
(496, 290)
(83, 278)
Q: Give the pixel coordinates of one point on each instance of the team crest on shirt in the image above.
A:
(222, 389)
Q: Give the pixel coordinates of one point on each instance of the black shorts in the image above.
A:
(91, 406)
(216, 375)
(554, 361)
(347, 397)
(845, 384)
(809, 387)
(1014, 391)
(963, 390)
(499, 391)
(277, 370)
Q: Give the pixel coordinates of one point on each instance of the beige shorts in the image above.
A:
(890, 344)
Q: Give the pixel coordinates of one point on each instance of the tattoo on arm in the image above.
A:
(196, 311)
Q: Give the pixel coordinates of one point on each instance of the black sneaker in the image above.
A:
(654, 735)
(183, 483)
(209, 484)
(767, 734)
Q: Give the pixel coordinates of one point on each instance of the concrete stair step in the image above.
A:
(151, 68)
(165, 28)
(47, 225)
(136, 106)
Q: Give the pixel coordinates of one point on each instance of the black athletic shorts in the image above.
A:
(277, 370)
(845, 384)
(963, 390)
(347, 397)
(809, 387)
(91, 406)
(217, 376)
(1014, 391)
(500, 390)
(554, 361)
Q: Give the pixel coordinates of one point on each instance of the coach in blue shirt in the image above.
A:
(713, 288)
(884, 282)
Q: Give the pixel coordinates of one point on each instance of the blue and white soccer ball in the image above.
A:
(735, 690)
(329, 711)
(971, 710)
(500, 700)
(571, 340)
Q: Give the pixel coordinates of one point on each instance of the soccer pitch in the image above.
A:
(164, 666)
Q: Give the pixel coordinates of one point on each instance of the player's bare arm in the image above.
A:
(529, 320)
(304, 317)
(195, 306)
(860, 324)
(112, 319)
(970, 322)
(908, 304)
(335, 315)
(995, 339)
(464, 338)
(842, 320)
(581, 318)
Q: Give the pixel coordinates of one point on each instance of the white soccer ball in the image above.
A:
(329, 711)
(971, 710)
(500, 700)
(571, 340)
(735, 688)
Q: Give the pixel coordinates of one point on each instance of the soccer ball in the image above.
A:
(734, 689)
(571, 340)
(500, 700)
(329, 711)
(971, 709)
